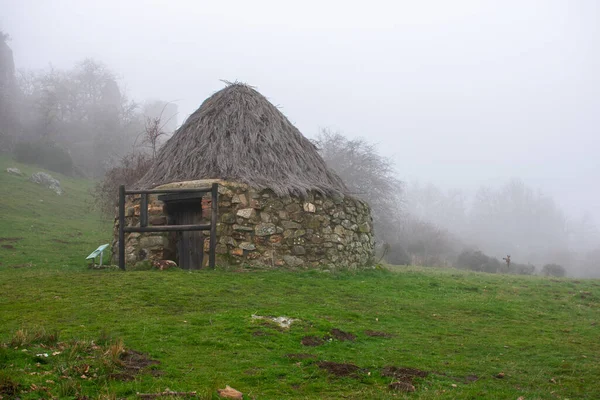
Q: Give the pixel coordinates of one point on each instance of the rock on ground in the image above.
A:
(14, 171)
(46, 180)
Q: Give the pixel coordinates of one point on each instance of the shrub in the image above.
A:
(522, 269)
(553, 270)
(395, 254)
(477, 261)
(45, 154)
(129, 170)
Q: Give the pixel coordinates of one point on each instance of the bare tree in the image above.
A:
(154, 130)
(368, 175)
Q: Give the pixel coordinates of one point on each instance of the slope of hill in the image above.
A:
(41, 228)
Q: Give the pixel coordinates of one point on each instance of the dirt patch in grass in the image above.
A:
(403, 377)
(337, 334)
(300, 356)
(10, 239)
(312, 341)
(378, 334)
(342, 336)
(133, 362)
(7, 246)
(259, 333)
(339, 369)
(403, 374)
(9, 387)
(471, 378)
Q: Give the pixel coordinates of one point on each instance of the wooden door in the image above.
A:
(190, 245)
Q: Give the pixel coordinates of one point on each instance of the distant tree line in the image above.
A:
(423, 225)
(77, 121)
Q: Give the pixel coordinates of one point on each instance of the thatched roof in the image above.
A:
(238, 135)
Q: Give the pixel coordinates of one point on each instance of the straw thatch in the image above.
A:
(238, 135)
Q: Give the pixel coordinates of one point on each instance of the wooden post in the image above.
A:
(213, 224)
(144, 210)
(122, 227)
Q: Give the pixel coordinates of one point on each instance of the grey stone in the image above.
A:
(247, 246)
(276, 205)
(221, 248)
(14, 171)
(365, 227)
(299, 250)
(265, 229)
(290, 225)
(310, 207)
(223, 191)
(242, 228)
(239, 199)
(346, 224)
(293, 261)
(265, 217)
(299, 233)
(293, 208)
(246, 213)
(228, 218)
(153, 241)
(228, 240)
(46, 180)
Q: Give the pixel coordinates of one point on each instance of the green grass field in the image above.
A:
(459, 335)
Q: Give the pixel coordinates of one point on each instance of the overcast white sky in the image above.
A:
(460, 93)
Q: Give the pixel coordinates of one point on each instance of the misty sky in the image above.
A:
(459, 93)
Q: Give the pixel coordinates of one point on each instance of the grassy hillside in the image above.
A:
(69, 332)
(39, 227)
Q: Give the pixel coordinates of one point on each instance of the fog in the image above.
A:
(459, 94)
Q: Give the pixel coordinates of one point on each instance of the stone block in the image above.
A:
(240, 199)
(298, 250)
(290, 225)
(275, 239)
(154, 211)
(265, 216)
(256, 204)
(221, 248)
(228, 240)
(153, 241)
(157, 220)
(242, 228)
(265, 229)
(247, 246)
(237, 252)
(293, 208)
(246, 213)
(293, 261)
(310, 207)
(365, 227)
(227, 218)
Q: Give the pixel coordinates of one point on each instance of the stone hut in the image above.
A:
(279, 205)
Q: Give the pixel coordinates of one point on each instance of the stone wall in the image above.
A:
(259, 228)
